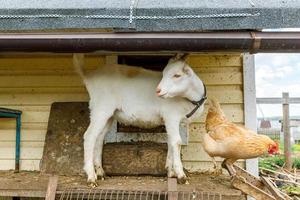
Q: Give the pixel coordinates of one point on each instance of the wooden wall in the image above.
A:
(32, 83)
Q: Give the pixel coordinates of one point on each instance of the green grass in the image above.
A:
(291, 190)
(295, 148)
(273, 162)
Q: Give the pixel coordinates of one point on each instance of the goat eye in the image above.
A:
(177, 76)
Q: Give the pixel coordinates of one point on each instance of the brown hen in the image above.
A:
(230, 141)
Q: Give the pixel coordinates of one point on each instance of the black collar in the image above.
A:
(198, 104)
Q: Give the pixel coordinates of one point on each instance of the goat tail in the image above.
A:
(78, 62)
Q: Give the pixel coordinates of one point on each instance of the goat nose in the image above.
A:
(158, 90)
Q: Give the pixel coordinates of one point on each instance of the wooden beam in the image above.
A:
(250, 105)
(293, 100)
(172, 189)
(286, 130)
(51, 189)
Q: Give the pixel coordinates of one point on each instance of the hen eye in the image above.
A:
(177, 76)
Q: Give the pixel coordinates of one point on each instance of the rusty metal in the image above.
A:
(256, 43)
(106, 194)
(259, 188)
(150, 42)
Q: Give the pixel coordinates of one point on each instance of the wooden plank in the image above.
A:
(47, 62)
(215, 60)
(273, 190)
(27, 153)
(205, 166)
(31, 165)
(205, 69)
(30, 108)
(26, 125)
(41, 81)
(225, 94)
(26, 135)
(40, 99)
(23, 144)
(291, 100)
(233, 112)
(51, 189)
(35, 116)
(196, 131)
(172, 189)
(250, 105)
(249, 189)
(195, 152)
(22, 193)
(286, 131)
(226, 78)
(43, 90)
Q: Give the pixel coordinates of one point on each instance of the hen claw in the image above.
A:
(217, 172)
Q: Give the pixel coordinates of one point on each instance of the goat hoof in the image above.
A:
(92, 184)
(101, 177)
(171, 174)
(182, 180)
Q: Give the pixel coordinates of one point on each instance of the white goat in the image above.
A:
(127, 94)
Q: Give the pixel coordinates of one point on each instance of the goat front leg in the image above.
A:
(97, 124)
(174, 144)
(169, 161)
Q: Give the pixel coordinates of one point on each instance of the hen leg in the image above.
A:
(228, 163)
(217, 170)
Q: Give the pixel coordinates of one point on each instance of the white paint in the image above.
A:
(250, 106)
(127, 94)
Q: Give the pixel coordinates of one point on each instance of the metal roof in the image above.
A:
(149, 15)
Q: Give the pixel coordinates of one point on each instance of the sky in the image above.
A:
(277, 73)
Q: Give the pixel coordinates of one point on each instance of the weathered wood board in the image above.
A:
(63, 150)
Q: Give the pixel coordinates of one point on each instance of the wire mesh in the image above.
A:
(99, 194)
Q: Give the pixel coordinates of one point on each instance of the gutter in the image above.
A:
(253, 42)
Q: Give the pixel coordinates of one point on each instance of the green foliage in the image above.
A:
(296, 148)
(291, 190)
(271, 162)
(296, 163)
(276, 161)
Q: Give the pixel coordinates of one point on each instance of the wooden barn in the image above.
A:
(38, 38)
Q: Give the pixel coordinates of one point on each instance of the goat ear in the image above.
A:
(180, 56)
(184, 56)
(187, 70)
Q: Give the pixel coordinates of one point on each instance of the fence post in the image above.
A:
(286, 130)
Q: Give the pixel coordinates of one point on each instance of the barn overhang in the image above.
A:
(252, 42)
(148, 16)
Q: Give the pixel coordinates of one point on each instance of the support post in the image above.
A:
(250, 104)
(172, 189)
(286, 130)
(18, 142)
(51, 189)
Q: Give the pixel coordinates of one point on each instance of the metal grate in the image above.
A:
(98, 194)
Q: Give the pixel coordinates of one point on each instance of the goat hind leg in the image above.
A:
(99, 148)
(96, 126)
